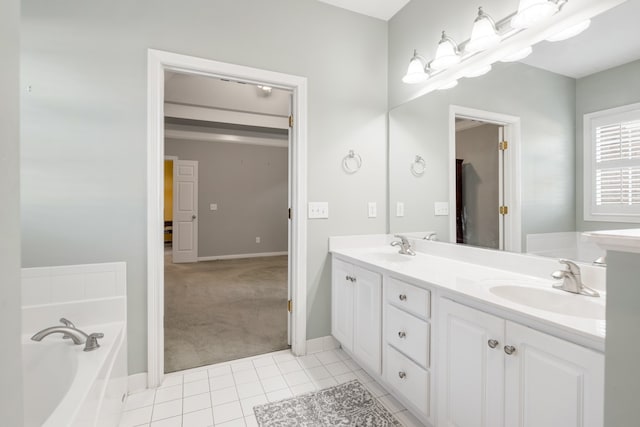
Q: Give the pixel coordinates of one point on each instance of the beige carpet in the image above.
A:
(217, 311)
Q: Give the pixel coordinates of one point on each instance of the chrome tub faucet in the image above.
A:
(76, 335)
(572, 280)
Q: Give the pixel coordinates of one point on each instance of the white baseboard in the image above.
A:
(317, 345)
(137, 382)
(239, 256)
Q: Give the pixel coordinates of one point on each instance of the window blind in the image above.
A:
(617, 164)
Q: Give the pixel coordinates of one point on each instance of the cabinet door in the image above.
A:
(470, 371)
(367, 338)
(342, 289)
(551, 382)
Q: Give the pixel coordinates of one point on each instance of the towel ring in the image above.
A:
(419, 166)
(352, 162)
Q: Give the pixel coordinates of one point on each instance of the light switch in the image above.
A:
(213, 206)
(318, 210)
(373, 210)
(441, 208)
(399, 209)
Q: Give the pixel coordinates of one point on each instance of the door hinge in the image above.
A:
(289, 213)
(290, 306)
(503, 145)
(290, 121)
(504, 210)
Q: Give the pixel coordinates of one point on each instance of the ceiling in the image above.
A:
(381, 9)
(611, 40)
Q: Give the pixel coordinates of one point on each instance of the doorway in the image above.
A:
(484, 178)
(159, 63)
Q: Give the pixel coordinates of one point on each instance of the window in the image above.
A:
(612, 165)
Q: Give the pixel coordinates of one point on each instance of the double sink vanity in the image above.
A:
(465, 336)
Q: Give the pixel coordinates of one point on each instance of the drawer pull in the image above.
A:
(509, 349)
(350, 278)
(402, 297)
(493, 343)
(402, 334)
(402, 375)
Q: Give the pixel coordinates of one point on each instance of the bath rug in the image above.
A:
(348, 404)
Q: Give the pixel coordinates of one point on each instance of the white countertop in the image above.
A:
(471, 283)
(627, 240)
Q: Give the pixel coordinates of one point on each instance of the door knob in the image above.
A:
(193, 217)
(493, 343)
(509, 349)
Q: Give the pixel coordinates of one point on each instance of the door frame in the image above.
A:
(512, 176)
(157, 63)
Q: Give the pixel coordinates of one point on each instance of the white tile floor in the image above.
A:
(225, 394)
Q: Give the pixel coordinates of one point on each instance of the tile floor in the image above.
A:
(224, 394)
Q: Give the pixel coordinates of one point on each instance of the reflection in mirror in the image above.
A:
(539, 105)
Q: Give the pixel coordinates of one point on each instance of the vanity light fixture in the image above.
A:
(518, 55)
(483, 35)
(572, 31)
(531, 12)
(417, 70)
(449, 85)
(447, 54)
(480, 71)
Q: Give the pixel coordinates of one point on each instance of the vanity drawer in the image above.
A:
(410, 380)
(408, 334)
(410, 298)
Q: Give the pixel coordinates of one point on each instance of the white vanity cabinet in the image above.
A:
(494, 372)
(356, 316)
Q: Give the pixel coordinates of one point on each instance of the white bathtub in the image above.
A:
(66, 386)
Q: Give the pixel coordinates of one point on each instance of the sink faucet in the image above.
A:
(405, 246)
(572, 280)
(77, 336)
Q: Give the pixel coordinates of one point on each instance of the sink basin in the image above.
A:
(552, 300)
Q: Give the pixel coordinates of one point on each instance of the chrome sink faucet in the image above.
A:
(405, 246)
(77, 336)
(572, 280)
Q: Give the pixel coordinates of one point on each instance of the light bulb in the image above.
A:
(531, 12)
(572, 31)
(446, 55)
(483, 35)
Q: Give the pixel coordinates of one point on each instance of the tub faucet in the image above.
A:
(77, 336)
(405, 246)
(68, 323)
(572, 280)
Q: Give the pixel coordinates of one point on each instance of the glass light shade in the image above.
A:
(446, 55)
(572, 31)
(449, 85)
(518, 55)
(481, 71)
(532, 11)
(416, 72)
(483, 35)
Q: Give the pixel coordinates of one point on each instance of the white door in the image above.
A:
(367, 328)
(342, 290)
(551, 382)
(471, 367)
(185, 211)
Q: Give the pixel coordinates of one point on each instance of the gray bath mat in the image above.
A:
(348, 404)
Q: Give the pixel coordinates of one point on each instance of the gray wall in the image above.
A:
(84, 145)
(249, 185)
(545, 103)
(622, 376)
(608, 89)
(478, 147)
(10, 356)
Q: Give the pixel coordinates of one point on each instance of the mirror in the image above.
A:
(537, 105)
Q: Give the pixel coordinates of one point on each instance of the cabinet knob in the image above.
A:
(402, 375)
(402, 334)
(402, 297)
(509, 349)
(493, 343)
(347, 277)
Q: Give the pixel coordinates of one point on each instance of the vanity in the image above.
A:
(466, 336)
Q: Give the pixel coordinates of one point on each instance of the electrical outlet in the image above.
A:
(441, 208)
(399, 209)
(373, 210)
(257, 239)
(318, 210)
(213, 206)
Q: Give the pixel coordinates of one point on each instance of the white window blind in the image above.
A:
(614, 148)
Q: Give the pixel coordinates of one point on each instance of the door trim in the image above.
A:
(157, 63)
(512, 187)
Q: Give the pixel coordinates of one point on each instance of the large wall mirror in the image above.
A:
(448, 174)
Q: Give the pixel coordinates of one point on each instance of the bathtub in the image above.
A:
(66, 386)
